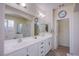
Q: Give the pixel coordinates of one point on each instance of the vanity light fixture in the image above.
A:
(23, 4)
(41, 14)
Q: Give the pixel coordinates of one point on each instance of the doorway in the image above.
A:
(63, 32)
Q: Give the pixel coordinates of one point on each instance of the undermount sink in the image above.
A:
(20, 40)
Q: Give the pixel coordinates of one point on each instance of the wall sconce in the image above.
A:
(41, 15)
(22, 4)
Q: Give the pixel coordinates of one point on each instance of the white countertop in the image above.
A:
(13, 44)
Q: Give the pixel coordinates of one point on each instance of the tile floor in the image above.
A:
(60, 51)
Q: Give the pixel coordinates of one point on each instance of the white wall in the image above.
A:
(75, 35)
(74, 48)
(2, 6)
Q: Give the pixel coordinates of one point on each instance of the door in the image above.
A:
(63, 32)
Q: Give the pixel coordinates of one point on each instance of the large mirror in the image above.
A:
(39, 27)
(17, 27)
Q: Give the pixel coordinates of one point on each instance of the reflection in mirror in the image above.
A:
(9, 28)
(9, 25)
(17, 27)
(19, 33)
(46, 27)
(40, 27)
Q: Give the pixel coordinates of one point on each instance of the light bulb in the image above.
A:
(23, 4)
(41, 14)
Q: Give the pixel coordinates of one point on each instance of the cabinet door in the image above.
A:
(47, 47)
(42, 48)
(33, 50)
(51, 43)
(21, 52)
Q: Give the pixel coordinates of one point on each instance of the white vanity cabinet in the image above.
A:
(48, 45)
(45, 46)
(20, 52)
(37, 48)
(33, 50)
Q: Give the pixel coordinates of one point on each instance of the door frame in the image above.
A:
(56, 33)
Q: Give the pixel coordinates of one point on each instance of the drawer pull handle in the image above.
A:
(42, 42)
(41, 52)
(27, 55)
(49, 43)
(42, 46)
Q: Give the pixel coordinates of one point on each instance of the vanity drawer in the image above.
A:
(42, 43)
(42, 48)
(42, 52)
(21, 52)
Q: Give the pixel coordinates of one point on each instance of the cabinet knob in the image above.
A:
(42, 46)
(49, 43)
(27, 55)
(42, 42)
(41, 52)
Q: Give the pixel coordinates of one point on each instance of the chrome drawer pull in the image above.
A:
(27, 55)
(42, 46)
(49, 43)
(42, 42)
(41, 52)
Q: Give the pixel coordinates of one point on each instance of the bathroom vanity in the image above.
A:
(22, 33)
(29, 46)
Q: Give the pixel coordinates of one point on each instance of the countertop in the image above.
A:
(13, 44)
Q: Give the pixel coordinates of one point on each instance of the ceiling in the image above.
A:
(46, 7)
